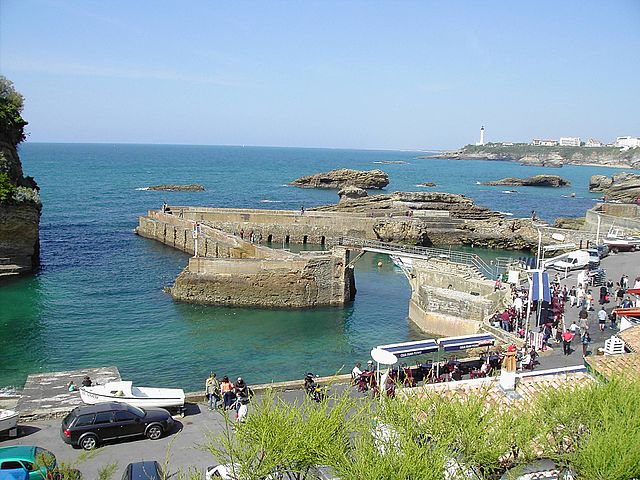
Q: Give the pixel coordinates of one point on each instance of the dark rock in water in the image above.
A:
(344, 177)
(428, 184)
(599, 183)
(351, 192)
(194, 187)
(535, 181)
(569, 223)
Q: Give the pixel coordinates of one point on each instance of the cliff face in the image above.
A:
(19, 217)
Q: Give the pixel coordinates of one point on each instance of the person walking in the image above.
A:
(619, 294)
(583, 317)
(585, 340)
(572, 297)
(580, 296)
(212, 389)
(567, 336)
(602, 318)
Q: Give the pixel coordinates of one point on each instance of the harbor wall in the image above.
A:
(625, 216)
(231, 271)
(304, 282)
(451, 299)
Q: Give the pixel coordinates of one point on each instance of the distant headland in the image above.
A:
(547, 155)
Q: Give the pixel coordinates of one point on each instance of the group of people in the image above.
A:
(224, 394)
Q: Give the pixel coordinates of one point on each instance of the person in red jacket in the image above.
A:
(567, 336)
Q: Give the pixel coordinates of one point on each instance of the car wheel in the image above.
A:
(154, 432)
(89, 442)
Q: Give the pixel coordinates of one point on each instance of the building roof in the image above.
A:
(528, 387)
(615, 366)
(631, 338)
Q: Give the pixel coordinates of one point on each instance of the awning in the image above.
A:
(466, 341)
(408, 349)
(540, 286)
(634, 291)
(628, 312)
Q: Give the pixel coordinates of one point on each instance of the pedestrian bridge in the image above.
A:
(470, 260)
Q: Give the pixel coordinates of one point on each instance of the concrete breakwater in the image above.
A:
(231, 271)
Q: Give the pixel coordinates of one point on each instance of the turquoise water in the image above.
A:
(98, 298)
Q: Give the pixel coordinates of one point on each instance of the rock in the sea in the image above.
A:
(428, 184)
(599, 183)
(344, 177)
(535, 181)
(625, 187)
(551, 160)
(194, 187)
(350, 193)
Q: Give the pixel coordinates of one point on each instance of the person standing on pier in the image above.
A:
(602, 318)
(567, 336)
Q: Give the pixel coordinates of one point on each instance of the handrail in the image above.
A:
(454, 256)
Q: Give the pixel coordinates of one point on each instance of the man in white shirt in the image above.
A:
(356, 372)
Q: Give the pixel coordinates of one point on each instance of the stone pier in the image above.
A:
(232, 271)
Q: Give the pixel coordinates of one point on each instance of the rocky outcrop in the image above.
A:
(623, 187)
(546, 156)
(19, 217)
(194, 187)
(599, 183)
(351, 193)
(401, 203)
(367, 179)
(553, 160)
(428, 184)
(535, 181)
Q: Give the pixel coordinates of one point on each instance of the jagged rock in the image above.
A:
(194, 187)
(351, 192)
(343, 177)
(569, 223)
(553, 160)
(599, 183)
(428, 184)
(535, 181)
(399, 203)
(625, 187)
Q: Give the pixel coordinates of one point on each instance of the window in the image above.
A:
(123, 416)
(136, 411)
(84, 420)
(10, 465)
(103, 417)
(29, 466)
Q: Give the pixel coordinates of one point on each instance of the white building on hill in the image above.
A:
(569, 141)
(544, 143)
(627, 142)
(592, 142)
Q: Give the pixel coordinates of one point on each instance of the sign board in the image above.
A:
(514, 277)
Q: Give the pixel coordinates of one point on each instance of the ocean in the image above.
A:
(98, 300)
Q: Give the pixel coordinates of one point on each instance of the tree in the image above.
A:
(11, 122)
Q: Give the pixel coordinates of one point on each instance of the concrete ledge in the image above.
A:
(198, 397)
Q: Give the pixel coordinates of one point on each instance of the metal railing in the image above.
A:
(472, 260)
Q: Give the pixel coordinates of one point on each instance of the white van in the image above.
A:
(573, 261)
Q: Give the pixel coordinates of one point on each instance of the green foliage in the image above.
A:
(107, 471)
(7, 188)
(11, 122)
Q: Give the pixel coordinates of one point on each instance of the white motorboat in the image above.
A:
(8, 419)
(137, 396)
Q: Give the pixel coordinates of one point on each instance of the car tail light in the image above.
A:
(67, 433)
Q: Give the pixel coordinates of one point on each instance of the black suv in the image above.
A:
(87, 426)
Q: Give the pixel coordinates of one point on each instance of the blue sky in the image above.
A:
(352, 74)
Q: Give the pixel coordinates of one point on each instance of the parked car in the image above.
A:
(88, 426)
(38, 462)
(143, 471)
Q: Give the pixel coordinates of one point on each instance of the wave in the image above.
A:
(270, 201)
(508, 214)
(478, 183)
(142, 188)
(509, 191)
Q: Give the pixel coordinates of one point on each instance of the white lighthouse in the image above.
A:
(481, 142)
